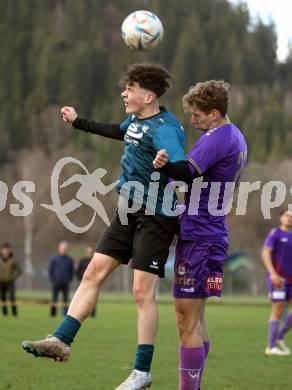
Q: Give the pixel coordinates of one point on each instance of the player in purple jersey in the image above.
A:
(277, 258)
(214, 164)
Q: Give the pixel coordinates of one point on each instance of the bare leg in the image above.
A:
(277, 310)
(204, 326)
(144, 293)
(86, 296)
(188, 315)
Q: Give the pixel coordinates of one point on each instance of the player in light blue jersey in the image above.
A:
(150, 229)
(143, 137)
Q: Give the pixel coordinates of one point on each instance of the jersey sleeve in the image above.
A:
(271, 239)
(125, 124)
(206, 152)
(108, 130)
(172, 140)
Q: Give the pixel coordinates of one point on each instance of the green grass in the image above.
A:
(104, 349)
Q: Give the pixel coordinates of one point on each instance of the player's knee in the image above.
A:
(139, 295)
(180, 323)
(142, 296)
(186, 325)
(185, 329)
(94, 273)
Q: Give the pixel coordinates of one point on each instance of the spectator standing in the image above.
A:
(9, 272)
(61, 269)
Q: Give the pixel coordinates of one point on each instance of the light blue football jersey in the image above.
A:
(143, 139)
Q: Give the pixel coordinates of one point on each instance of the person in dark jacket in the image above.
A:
(9, 272)
(83, 263)
(61, 270)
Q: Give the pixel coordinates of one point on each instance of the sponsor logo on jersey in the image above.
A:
(214, 283)
(187, 290)
(284, 239)
(181, 270)
(130, 140)
(135, 131)
(184, 281)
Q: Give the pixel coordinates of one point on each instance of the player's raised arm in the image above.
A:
(113, 131)
(69, 114)
(267, 260)
(178, 170)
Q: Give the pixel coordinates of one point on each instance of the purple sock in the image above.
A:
(287, 325)
(273, 332)
(207, 345)
(191, 365)
(207, 349)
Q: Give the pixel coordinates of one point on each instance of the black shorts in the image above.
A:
(145, 240)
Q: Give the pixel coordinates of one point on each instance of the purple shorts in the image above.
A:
(279, 294)
(198, 268)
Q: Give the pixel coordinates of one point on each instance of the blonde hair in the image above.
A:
(208, 95)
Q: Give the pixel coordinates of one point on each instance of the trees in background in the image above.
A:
(71, 52)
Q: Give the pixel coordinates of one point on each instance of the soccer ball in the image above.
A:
(142, 30)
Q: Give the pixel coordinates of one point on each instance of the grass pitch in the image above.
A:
(103, 351)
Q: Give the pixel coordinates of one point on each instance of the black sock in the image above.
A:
(144, 355)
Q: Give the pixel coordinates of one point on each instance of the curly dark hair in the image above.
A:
(208, 95)
(149, 76)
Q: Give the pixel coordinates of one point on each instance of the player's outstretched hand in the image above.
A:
(69, 114)
(277, 280)
(161, 159)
